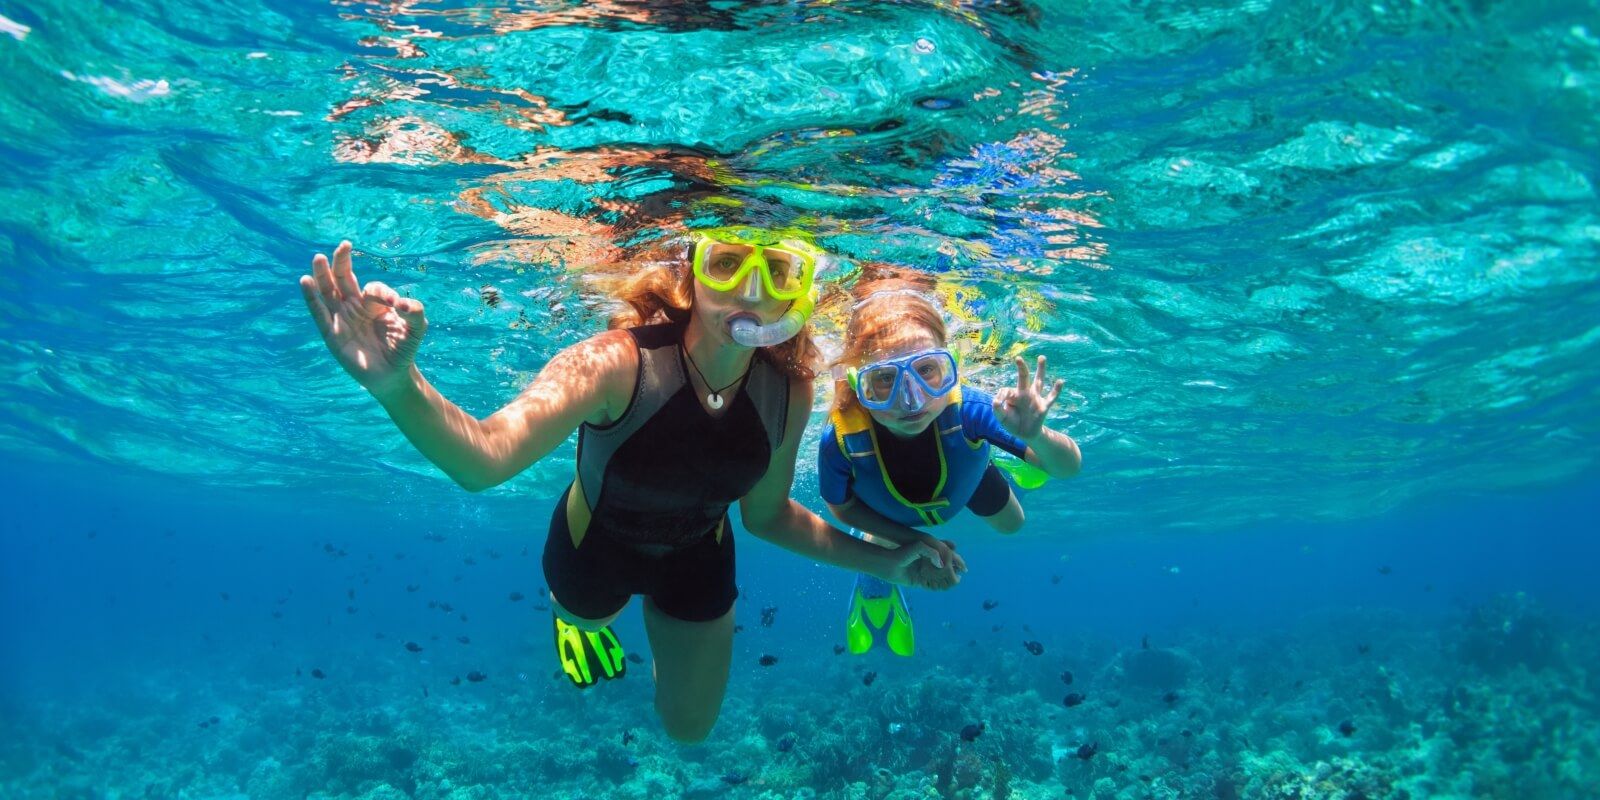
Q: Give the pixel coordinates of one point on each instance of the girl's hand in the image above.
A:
(374, 333)
(1021, 410)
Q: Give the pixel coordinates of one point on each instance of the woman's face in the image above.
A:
(895, 343)
(715, 311)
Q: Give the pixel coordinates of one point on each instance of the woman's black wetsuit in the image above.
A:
(656, 485)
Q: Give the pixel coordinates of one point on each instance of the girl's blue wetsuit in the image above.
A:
(924, 480)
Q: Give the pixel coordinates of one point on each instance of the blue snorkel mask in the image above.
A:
(906, 384)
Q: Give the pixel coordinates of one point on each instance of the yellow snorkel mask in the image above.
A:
(725, 259)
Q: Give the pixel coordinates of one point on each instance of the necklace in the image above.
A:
(713, 396)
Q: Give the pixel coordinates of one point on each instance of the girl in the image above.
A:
(910, 446)
(695, 399)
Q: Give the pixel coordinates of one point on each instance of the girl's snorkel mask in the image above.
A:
(784, 263)
(907, 383)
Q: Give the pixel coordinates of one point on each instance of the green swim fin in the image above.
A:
(584, 653)
(1027, 476)
(877, 605)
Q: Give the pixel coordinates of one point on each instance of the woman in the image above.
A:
(910, 443)
(696, 398)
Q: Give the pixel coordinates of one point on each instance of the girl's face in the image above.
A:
(900, 341)
(715, 311)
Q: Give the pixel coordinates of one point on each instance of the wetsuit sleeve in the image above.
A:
(833, 470)
(978, 422)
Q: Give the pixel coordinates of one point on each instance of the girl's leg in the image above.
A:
(692, 661)
(1008, 519)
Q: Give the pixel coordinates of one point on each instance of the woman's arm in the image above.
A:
(580, 383)
(770, 513)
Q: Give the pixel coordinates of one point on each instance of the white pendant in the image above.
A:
(714, 400)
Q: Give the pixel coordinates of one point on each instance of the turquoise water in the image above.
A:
(1321, 279)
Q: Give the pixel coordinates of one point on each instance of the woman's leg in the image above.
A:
(692, 660)
(579, 622)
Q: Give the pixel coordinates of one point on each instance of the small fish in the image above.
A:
(971, 732)
(1186, 733)
(489, 295)
(786, 742)
(424, 691)
(470, 561)
(277, 615)
(494, 555)
(768, 616)
(1347, 728)
(476, 676)
(636, 658)
(464, 639)
(1034, 647)
(515, 597)
(867, 679)
(318, 674)
(411, 587)
(297, 672)
(989, 605)
(349, 594)
(456, 681)
(1363, 648)
(738, 629)
(1384, 570)
(938, 103)
(1066, 677)
(433, 604)
(350, 609)
(1169, 698)
(434, 537)
(1055, 579)
(463, 617)
(768, 660)
(447, 608)
(1074, 699)
(205, 724)
(627, 736)
(1144, 642)
(838, 649)
(1087, 751)
(414, 647)
(735, 778)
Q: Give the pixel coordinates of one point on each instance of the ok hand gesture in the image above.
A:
(373, 332)
(1022, 409)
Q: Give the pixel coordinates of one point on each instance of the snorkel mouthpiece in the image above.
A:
(749, 334)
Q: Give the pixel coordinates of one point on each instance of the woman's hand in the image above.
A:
(929, 564)
(1022, 409)
(374, 333)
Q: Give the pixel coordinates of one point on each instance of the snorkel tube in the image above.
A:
(746, 332)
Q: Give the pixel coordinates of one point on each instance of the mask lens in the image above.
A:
(722, 261)
(877, 383)
(786, 269)
(936, 370)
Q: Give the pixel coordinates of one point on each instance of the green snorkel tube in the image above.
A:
(749, 334)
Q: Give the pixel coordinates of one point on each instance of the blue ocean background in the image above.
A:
(1322, 280)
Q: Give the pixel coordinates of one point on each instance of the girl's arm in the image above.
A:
(1021, 411)
(770, 513)
(1055, 453)
(580, 383)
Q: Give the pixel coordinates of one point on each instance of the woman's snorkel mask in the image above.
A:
(783, 262)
